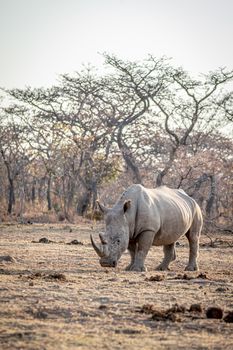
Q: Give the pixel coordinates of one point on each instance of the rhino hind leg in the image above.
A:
(193, 251)
(169, 256)
(193, 236)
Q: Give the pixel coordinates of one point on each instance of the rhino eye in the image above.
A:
(116, 241)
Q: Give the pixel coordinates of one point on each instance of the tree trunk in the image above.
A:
(129, 159)
(132, 167)
(70, 194)
(33, 191)
(84, 202)
(11, 196)
(11, 192)
(49, 202)
(212, 195)
(162, 173)
(94, 194)
(22, 200)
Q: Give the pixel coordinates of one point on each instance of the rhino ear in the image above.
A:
(127, 205)
(102, 208)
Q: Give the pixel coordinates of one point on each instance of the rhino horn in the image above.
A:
(98, 250)
(102, 239)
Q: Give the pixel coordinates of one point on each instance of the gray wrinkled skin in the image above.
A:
(144, 217)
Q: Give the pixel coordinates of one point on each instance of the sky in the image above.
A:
(40, 39)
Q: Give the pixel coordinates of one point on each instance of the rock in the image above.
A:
(159, 315)
(214, 312)
(128, 331)
(44, 240)
(221, 289)
(103, 307)
(56, 276)
(183, 277)
(75, 241)
(41, 314)
(37, 275)
(7, 258)
(147, 309)
(229, 317)
(195, 308)
(155, 278)
(202, 276)
(177, 308)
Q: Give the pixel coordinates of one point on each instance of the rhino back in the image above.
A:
(167, 212)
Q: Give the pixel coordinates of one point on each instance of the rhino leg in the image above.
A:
(193, 251)
(131, 248)
(193, 236)
(142, 247)
(169, 256)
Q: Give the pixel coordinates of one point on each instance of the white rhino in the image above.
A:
(144, 217)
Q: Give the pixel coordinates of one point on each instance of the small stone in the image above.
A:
(57, 276)
(214, 312)
(75, 241)
(203, 276)
(7, 258)
(176, 308)
(159, 315)
(31, 284)
(44, 240)
(221, 289)
(195, 308)
(37, 274)
(229, 317)
(147, 309)
(103, 307)
(156, 278)
(41, 314)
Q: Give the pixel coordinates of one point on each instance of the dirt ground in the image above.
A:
(56, 295)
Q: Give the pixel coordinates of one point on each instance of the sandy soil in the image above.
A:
(57, 296)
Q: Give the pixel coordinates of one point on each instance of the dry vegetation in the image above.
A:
(56, 296)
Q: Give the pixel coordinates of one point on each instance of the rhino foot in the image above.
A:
(191, 267)
(162, 267)
(137, 268)
(128, 268)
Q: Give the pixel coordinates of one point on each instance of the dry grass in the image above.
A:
(56, 295)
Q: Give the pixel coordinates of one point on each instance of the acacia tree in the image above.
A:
(130, 88)
(226, 104)
(13, 155)
(69, 115)
(89, 132)
(188, 107)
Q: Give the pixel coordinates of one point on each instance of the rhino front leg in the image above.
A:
(131, 248)
(169, 256)
(142, 247)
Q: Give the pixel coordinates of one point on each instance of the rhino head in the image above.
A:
(116, 238)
